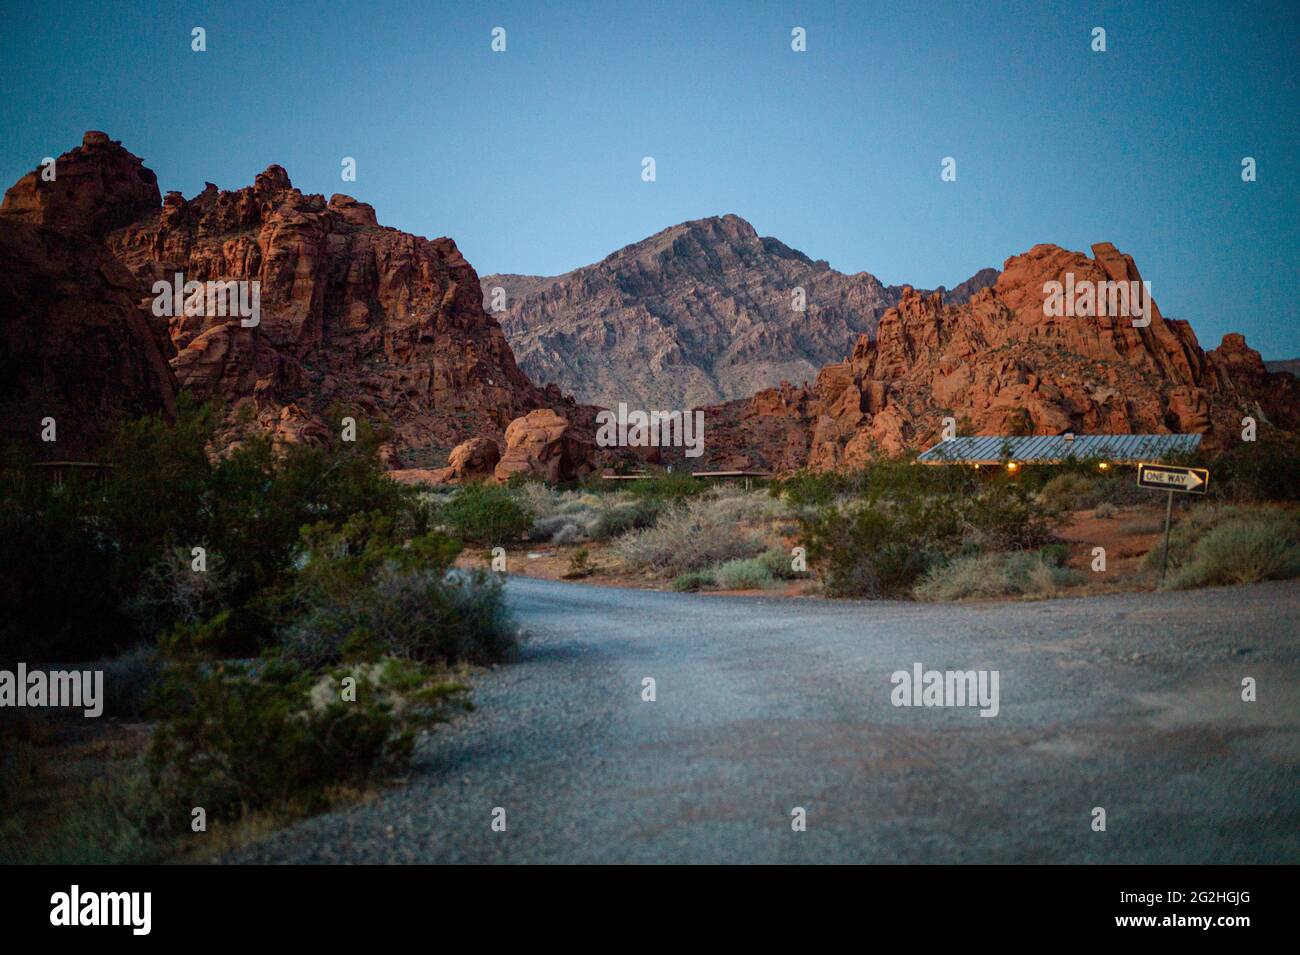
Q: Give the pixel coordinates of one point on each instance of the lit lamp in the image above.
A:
(1103, 465)
(1011, 465)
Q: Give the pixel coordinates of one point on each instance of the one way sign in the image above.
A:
(1167, 477)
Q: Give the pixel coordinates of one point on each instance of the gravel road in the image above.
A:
(1131, 703)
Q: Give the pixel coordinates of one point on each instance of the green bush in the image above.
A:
(1242, 549)
(485, 514)
(866, 553)
(778, 563)
(112, 552)
(618, 519)
(693, 580)
(667, 486)
(1256, 471)
(1072, 491)
(247, 737)
(1023, 573)
(362, 593)
(745, 574)
(880, 545)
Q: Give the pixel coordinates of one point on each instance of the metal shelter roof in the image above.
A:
(1050, 449)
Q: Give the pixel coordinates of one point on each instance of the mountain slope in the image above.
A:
(701, 312)
(355, 318)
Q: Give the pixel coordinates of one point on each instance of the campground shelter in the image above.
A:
(1106, 449)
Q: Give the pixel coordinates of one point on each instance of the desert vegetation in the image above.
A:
(894, 529)
(283, 626)
(286, 623)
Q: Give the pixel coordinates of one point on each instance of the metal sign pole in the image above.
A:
(1164, 565)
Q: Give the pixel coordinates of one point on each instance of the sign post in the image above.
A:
(1168, 477)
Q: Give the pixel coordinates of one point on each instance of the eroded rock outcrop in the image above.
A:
(96, 187)
(75, 345)
(543, 445)
(1004, 363)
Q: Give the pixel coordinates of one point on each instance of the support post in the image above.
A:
(1164, 564)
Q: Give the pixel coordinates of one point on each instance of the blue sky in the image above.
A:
(531, 159)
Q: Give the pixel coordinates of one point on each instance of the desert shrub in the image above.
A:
(1105, 510)
(1144, 525)
(129, 682)
(778, 564)
(113, 819)
(580, 564)
(363, 593)
(1262, 470)
(1189, 525)
(1242, 549)
(485, 513)
(690, 536)
(693, 580)
(617, 518)
(1022, 573)
(1072, 490)
(568, 534)
(865, 552)
(170, 591)
(668, 486)
(246, 737)
(745, 574)
(537, 498)
(106, 551)
(878, 546)
(805, 489)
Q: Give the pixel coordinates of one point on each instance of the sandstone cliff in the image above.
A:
(75, 343)
(354, 318)
(1000, 364)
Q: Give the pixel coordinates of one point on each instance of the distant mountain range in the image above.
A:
(702, 312)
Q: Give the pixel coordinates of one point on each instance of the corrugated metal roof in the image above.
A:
(1047, 449)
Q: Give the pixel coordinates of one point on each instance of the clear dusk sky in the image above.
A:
(531, 158)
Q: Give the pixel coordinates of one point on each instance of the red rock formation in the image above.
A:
(543, 445)
(355, 318)
(97, 186)
(472, 460)
(353, 315)
(75, 345)
(1002, 364)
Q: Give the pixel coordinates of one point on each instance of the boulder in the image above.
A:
(541, 444)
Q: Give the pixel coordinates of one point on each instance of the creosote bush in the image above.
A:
(692, 581)
(485, 514)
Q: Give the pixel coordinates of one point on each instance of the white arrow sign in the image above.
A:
(1169, 478)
